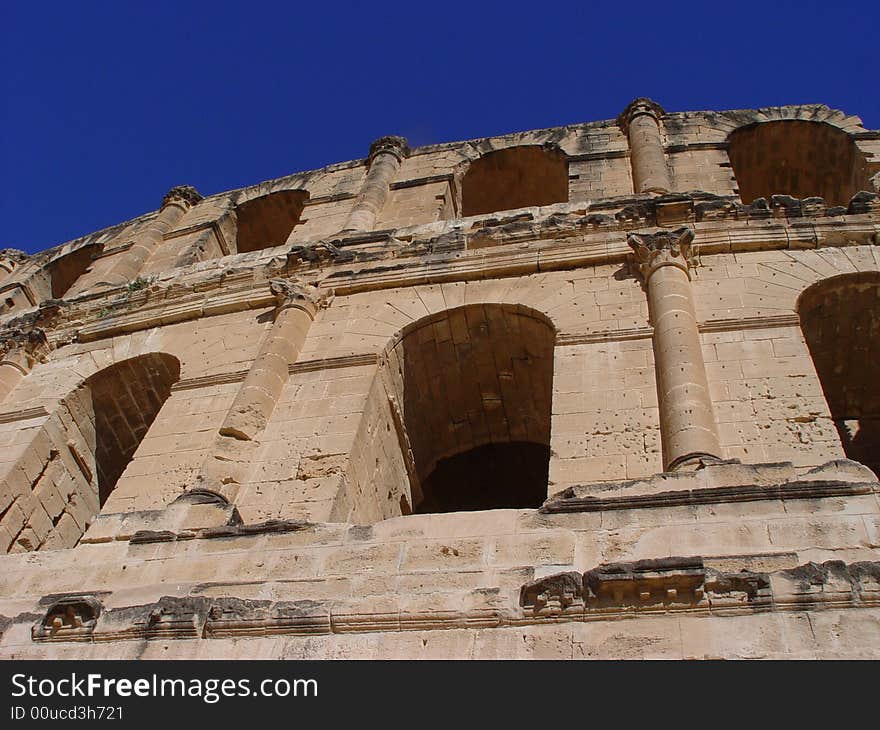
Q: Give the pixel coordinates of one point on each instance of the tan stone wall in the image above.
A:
(409, 586)
(306, 515)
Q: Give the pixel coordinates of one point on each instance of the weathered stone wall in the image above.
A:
(305, 418)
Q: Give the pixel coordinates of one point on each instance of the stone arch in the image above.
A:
(840, 320)
(268, 220)
(472, 390)
(515, 177)
(798, 157)
(80, 450)
(64, 271)
(125, 399)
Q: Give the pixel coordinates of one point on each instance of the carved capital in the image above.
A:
(639, 107)
(391, 145)
(23, 348)
(662, 248)
(182, 194)
(10, 258)
(300, 296)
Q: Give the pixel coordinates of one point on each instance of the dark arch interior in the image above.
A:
(64, 271)
(476, 385)
(267, 221)
(126, 397)
(492, 476)
(798, 158)
(516, 177)
(840, 320)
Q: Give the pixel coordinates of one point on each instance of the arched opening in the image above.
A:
(80, 454)
(267, 221)
(475, 386)
(517, 177)
(126, 398)
(840, 319)
(65, 270)
(799, 158)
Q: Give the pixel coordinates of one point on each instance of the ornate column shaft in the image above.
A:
(687, 422)
(175, 204)
(386, 155)
(20, 350)
(640, 121)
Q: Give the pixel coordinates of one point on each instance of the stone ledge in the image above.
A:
(610, 591)
(717, 495)
(717, 483)
(685, 584)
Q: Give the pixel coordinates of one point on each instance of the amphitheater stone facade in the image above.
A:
(607, 390)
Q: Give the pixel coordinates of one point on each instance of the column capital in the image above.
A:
(662, 248)
(392, 145)
(298, 295)
(10, 258)
(23, 348)
(184, 195)
(639, 107)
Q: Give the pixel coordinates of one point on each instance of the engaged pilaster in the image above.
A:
(20, 350)
(255, 401)
(175, 204)
(386, 155)
(640, 121)
(687, 422)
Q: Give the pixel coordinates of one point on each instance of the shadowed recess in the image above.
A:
(517, 177)
(798, 158)
(492, 476)
(65, 270)
(475, 383)
(268, 221)
(126, 397)
(840, 319)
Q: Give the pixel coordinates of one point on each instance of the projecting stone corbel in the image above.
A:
(70, 618)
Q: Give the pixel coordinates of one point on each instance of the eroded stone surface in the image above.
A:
(479, 399)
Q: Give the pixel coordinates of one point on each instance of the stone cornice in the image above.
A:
(610, 591)
(560, 253)
(523, 242)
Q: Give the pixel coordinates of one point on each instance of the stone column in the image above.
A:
(256, 399)
(20, 350)
(128, 264)
(687, 422)
(640, 121)
(386, 154)
(226, 468)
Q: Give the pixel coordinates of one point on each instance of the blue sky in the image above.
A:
(106, 105)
